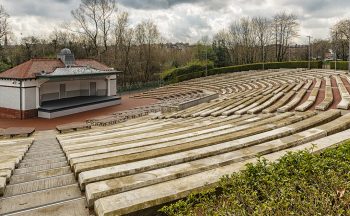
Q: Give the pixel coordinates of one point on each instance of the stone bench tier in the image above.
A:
(262, 135)
(166, 191)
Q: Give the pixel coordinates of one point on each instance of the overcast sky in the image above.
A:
(183, 20)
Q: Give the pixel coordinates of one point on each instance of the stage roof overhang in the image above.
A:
(76, 72)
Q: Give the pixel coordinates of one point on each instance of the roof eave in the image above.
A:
(48, 76)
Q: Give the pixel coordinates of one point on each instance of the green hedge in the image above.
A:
(188, 70)
(299, 183)
(341, 65)
(178, 77)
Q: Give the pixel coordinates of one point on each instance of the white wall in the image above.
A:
(29, 99)
(10, 91)
(51, 90)
(112, 87)
(10, 95)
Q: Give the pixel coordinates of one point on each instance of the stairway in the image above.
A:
(43, 183)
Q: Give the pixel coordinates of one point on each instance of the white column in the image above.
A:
(108, 87)
(24, 106)
(37, 97)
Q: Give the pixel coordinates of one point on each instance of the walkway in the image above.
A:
(43, 184)
(49, 124)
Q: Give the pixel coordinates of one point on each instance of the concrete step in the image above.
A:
(186, 156)
(26, 163)
(135, 200)
(21, 178)
(44, 155)
(40, 167)
(40, 154)
(41, 184)
(160, 135)
(52, 159)
(170, 148)
(75, 207)
(37, 199)
(197, 135)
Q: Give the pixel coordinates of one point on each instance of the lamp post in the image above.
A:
(349, 52)
(349, 57)
(335, 51)
(289, 52)
(263, 60)
(309, 63)
(160, 72)
(206, 60)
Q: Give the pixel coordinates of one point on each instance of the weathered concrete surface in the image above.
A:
(74, 207)
(38, 198)
(118, 185)
(208, 141)
(43, 184)
(170, 135)
(312, 98)
(166, 142)
(16, 179)
(298, 97)
(280, 103)
(168, 160)
(328, 100)
(134, 200)
(176, 129)
(6, 173)
(345, 102)
(2, 185)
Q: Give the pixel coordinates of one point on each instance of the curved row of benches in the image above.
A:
(300, 96)
(11, 153)
(144, 163)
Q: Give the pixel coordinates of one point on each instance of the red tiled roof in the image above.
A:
(27, 70)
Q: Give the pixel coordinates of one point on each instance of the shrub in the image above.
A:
(191, 72)
(188, 70)
(4, 66)
(299, 183)
(341, 65)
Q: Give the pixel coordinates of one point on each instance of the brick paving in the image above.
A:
(48, 124)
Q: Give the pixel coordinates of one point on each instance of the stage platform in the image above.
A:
(69, 106)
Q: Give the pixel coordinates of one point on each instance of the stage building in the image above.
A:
(50, 88)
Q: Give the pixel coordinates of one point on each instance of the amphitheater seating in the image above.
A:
(133, 200)
(328, 100)
(311, 99)
(11, 153)
(148, 161)
(74, 126)
(142, 155)
(345, 102)
(16, 131)
(281, 91)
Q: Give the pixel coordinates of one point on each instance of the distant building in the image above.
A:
(177, 46)
(51, 88)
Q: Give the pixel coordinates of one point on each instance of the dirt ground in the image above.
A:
(48, 124)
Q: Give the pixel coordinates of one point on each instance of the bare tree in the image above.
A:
(320, 48)
(93, 20)
(30, 44)
(107, 8)
(263, 31)
(120, 30)
(285, 28)
(340, 34)
(4, 25)
(146, 36)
